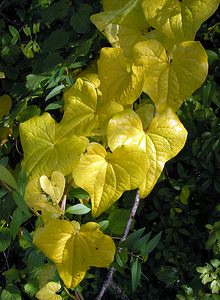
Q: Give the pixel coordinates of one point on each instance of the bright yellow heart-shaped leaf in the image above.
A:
(79, 109)
(54, 187)
(5, 105)
(120, 80)
(125, 128)
(170, 80)
(45, 151)
(165, 138)
(37, 200)
(179, 20)
(74, 249)
(49, 292)
(123, 27)
(105, 176)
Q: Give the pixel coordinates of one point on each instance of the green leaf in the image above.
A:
(184, 195)
(103, 225)
(118, 220)
(135, 274)
(57, 39)
(134, 237)
(34, 81)
(80, 19)
(141, 243)
(54, 105)
(18, 218)
(11, 292)
(19, 200)
(78, 209)
(14, 32)
(79, 194)
(6, 177)
(5, 239)
(22, 182)
(151, 245)
(55, 91)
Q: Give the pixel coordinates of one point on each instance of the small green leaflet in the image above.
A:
(6, 177)
(78, 209)
(55, 91)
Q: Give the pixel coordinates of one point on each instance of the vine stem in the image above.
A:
(109, 277)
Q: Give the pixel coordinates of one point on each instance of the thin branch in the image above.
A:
(119, 291)
(6, 260)
(109, 277)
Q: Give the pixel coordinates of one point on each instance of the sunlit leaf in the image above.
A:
(179, 20)
(120, 80)
(49, 292)
(165, 138)
(105, 176)
(74, 249)
(37, 200)
(171, 79)
(125, 128)
(123, 27)
(146, 112)
(79, 109)
(53, 187)
(45, 151)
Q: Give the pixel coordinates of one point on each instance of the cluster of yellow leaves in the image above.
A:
(131, 145)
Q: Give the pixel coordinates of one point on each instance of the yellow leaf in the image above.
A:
(79, 109)
(49, 292)
(37, 200)
(5, 105)
(113, 5)
(105, 176)
(165, 138)
(125, 128)
(171, 79)
(179, 20)
(123, 26)
(120, 80)
(74, 249)
(45, 151)
(2, 75)
(54, 187)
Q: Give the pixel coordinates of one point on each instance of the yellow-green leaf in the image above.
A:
(49, 292)
(54, 187)
(146, 112)
(120, 80)
(179, 20)
(45, 151)
(2, 75)
(171, 79)
(165, 138)
(125, 128)
(47, 273)
(74, 249)
(37, 200)
(79, 109)
(123, 27)
(105, 176)
(5, 105)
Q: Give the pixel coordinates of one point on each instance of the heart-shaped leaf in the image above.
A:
(178, 19)
(123, 82)
(45, 151)
(49, 292)
(105, 176)
(74, 249)
(53, 187)
(168, 80)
